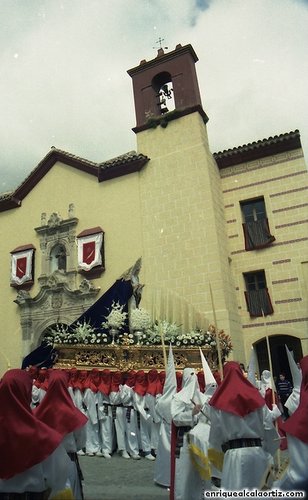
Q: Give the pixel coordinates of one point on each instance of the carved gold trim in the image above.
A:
(119, 357)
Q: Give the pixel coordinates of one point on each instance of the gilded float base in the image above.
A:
(123, 358)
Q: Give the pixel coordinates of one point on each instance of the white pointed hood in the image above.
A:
(251, 375)
(295, 371)
(266, 382)
(163, 405)
(210, 382)
(190, 391)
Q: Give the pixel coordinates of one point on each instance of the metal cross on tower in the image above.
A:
(160, 42)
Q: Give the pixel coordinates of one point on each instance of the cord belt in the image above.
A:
(240, 443)
(181, 431)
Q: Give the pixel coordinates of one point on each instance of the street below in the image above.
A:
(120, 479)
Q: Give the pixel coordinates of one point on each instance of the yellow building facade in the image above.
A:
(221, 236)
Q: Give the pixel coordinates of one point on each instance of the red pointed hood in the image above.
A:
(236, 394)
(57, 408)
(141, 383)
(26, 440)
(105, 385)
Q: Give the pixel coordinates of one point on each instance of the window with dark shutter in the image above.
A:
(257, 297)
(255, 226)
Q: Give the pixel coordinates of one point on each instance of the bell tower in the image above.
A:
(169, 78)
(184, 240)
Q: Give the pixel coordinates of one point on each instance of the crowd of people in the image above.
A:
(203, 432)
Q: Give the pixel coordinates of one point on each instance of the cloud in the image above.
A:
(64, 80)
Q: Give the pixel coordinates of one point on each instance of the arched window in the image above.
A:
(58, 258)
(162, 84)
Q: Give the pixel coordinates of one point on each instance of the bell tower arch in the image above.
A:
(168, 77)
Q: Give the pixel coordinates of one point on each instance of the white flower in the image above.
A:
(116, 318)
(140, 319)
(83, 330)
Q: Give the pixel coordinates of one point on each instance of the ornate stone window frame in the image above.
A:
(58, 232)
(26, 280)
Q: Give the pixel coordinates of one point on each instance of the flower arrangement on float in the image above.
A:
(149, 333)
(140, 319)
(116, 318)
(58, 334)
(81, 333)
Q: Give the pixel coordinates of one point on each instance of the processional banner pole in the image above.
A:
(273, 381)
(162, 336)
(217, 336)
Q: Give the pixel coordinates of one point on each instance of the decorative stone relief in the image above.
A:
(54, 220)
(62, 298)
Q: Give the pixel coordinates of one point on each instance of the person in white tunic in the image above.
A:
(296, 429)
(118, 413)
(33, 460)
(144, 416)
(77, 381)
(185, 411)
(105, 414)
(90, 400)
(150, 402)
(130, 415)
(72, 379)
(267, 393)
(59, 412)
(162, 466)
(242, 428)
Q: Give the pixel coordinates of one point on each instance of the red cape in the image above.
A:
(236, 394)
(57, 408)
(24, 440)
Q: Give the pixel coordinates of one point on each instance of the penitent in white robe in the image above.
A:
(162, 466)
(92, 425)
(296, 476)
(53, 472)
(73, 442)
(244, 467)
(188, 483)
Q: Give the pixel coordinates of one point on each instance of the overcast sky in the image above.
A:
(64, 81)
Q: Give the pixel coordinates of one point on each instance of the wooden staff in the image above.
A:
(269, 358)
(273, 382)
(217, 336)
